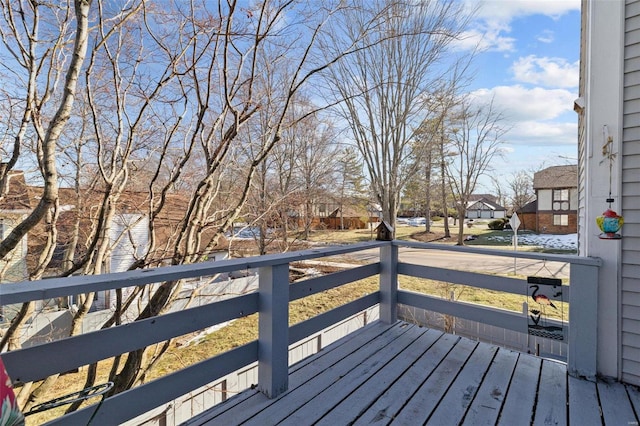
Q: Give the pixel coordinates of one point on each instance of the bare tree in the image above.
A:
(315, 149)
(476, 137)
(385, 86)
(520, 186)
(166, 97)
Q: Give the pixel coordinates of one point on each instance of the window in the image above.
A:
(561, 219)
(560, 199)
(561, 195)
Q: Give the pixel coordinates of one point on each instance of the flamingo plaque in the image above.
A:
(546, 315)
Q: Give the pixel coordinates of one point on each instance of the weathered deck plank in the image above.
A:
(615, 404)
(551, 408)
(458, 398)
(426, 398)
(518, 407)
(634, 397)
(357, 402)
(584, 408)
(393, 399)
(251, 401)
(325, 391)
(407, 375)
(485, 408)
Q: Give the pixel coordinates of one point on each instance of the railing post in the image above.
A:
(389, 283)
(583, 321)
(273, 322)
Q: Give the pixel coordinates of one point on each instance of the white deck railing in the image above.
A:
(271, 302)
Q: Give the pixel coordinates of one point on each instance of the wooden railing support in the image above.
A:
(583, 321)
(389, 283)
(273, 322)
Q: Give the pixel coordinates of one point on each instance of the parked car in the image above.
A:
(417, 221)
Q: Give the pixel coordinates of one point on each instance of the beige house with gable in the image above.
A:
(556, 191)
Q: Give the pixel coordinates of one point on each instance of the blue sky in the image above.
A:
(529, 66)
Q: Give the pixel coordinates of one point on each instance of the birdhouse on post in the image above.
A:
(384, 231)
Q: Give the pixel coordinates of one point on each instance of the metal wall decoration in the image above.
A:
(609, 222)
(543, 292)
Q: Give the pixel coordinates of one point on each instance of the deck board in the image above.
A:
(616, 407)
(326, 392)
(584, 408)
(459, 396)
(634, 397)
(518, 407)
(551, 408)
(254, 401)
(392, 400)
(358, 401)
(426, 399)
(407, 375)
(485, 408)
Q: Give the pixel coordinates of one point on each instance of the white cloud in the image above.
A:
(506, 10)
(550, 72)
(486, 38)
(546, 36)
(537, 133)
(534, 116)
(494, 20)
(519, 103)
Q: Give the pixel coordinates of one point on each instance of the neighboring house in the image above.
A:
(484, 207)
(346, 218)
(528, 216)
(326, 214)
(556, 191)
(609, 168)
(14, 207)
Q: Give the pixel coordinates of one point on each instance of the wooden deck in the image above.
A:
(408, 375)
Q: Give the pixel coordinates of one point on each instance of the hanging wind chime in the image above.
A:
(609, 222)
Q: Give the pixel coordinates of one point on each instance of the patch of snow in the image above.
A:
(550, 241)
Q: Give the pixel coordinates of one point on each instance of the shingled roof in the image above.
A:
(17, 194)
(556, 177)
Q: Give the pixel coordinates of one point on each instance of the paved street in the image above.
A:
(474, 262)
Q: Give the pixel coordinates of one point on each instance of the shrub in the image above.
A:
(498, 224)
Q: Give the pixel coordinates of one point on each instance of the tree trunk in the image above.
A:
(427, 194)
(461, 213)
(443, 186)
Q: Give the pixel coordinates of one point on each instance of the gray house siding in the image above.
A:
(582, 150)
(630, 271)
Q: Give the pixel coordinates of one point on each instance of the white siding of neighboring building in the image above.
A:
(129, 238)
(631, 198)
(130, 235)
(544, 199)
(573, 199)
(13, 268)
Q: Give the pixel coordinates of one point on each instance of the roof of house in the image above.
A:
(487, 202)
(478, 197)
(530, 207)
(556, 177)
(17, 194)
(349, 211)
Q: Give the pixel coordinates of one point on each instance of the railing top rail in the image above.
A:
(58, 287)
(549, 257)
